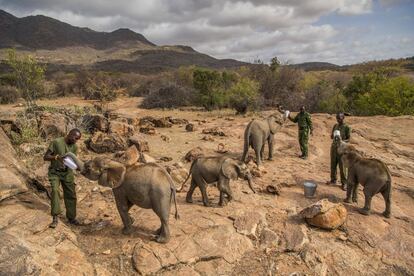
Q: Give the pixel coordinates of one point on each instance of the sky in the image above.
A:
(295, 31)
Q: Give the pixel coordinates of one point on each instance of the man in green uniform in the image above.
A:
(304, 121)
(60, 174)
(345, 134)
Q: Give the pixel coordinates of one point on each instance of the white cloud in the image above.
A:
(242, 29)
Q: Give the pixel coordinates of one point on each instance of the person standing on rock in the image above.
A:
(304, 121)
(60, 174)
(344, 131)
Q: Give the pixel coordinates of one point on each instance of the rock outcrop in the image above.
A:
(325, 214)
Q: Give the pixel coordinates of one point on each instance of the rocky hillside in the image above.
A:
(69, 48)
(256, 234)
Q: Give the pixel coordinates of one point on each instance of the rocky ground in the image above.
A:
(260, 234)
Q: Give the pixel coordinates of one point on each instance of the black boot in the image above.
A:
(74, 222)
(54, 222)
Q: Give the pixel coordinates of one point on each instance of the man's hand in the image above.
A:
(58, 158)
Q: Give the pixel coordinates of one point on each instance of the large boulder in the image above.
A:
(121, 128)
(193, 154)
(216, 131)
(53, 125)
(139, 142)
(178, 172)
(12, 179)
(325, 214)
(95, 122)
(103, 142)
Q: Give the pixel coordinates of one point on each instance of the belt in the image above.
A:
(62, 170)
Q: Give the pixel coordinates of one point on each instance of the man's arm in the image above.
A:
(332, 133)
(50, 155)
(347, 134)
(295, 120)
(310, 123)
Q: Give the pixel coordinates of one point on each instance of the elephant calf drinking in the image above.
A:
(207, 170)
(148, 186)
(372, 174)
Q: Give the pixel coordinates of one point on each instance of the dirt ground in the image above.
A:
(366, 245)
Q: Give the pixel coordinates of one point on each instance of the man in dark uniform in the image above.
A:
(60, 174)
(304, 121)
(345, 134)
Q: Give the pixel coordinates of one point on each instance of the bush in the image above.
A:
(392, 97)
(8, 94)
(141, 90)
(169, 97)
(244, 95)
(29, 132)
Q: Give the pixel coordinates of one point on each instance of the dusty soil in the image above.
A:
(366, 245)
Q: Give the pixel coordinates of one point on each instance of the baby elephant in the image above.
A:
(373, 174)
(207, 170)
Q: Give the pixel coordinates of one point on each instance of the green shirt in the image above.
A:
(304, 120)
(345, 131)
(59, 146)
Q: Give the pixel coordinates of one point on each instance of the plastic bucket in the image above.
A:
(69, 163)
(309, 189)
(286, 114)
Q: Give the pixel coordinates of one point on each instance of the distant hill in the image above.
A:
(316, 66)
(41, 32)
(69, 48)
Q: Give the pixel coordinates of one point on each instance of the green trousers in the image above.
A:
(69, 193)
(335, 161)
(303, 141)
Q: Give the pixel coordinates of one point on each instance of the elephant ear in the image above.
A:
(274, 124)
(230, 169)
(113, 174)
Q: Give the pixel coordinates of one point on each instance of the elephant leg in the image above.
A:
(189, 197)
(123, 207)
(270, 142)
(262, 152)
(222, 201)
(202, 184)
(367, 207)
(387, 198)
(224, 188)
(355, 192)
(351, 186)
(162, 208)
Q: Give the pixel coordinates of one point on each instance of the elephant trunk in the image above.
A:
(79, 163)
(250, 181)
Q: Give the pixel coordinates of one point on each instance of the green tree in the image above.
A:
(209, 85)
(244, 94)
(28, 75)
(274, 64)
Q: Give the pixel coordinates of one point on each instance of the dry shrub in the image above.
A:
(8, 94)
(170, 96)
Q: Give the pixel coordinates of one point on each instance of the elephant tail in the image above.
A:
(246, 141)
(188, 176)
(173, 194)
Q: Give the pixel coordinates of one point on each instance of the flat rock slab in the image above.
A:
(219, 242)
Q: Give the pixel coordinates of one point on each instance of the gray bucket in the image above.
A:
(309, 189)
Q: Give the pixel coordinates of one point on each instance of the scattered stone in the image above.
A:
(166, 159)
(208, 138)
(190, 127)
(148, 130)
(325, 214)
(273, 189)
(139, 141)
(295, 238)
(342, 238)
(107, 252)
(194, 154)
(166, 138)
(250, 223)
(162, 122)
(95, 189)
(121, 128)
(216, 131)
(145, 158)
(53, 125)
(178, 121)
(103, 143)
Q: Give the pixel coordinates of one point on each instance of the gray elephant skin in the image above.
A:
(147, 185)
(207, 170)
(257, 133)
(372, 174)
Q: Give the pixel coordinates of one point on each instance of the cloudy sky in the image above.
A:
(338, 31)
